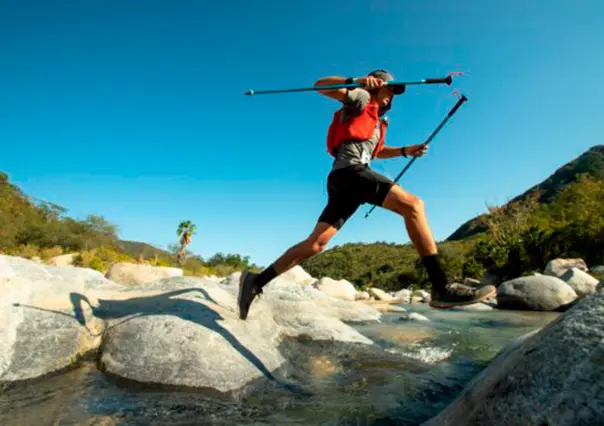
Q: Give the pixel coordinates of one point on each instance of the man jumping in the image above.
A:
(355, 137)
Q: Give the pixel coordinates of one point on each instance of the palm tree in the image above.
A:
(186, 229)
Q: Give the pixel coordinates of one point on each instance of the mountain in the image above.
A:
(591, 162)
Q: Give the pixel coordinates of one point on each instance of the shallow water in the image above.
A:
(416, 370)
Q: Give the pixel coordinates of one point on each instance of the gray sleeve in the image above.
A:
(355, 100)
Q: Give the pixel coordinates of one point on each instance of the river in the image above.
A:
(414, 371)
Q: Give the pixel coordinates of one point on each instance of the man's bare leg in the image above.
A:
(412, 209)
(313, 244)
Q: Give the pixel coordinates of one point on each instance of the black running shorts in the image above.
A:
(349, 188)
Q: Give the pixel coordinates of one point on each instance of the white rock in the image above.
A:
(176, 330)
(62, 260)
(340, 289)
(404, 295)
(540, 293)
(134, 274)
(414, 316)
(362, 295)
(472, 282)
(557, 267)
(294, 276)
(380, 294)
(583, 283)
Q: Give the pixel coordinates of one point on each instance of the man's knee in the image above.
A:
(417, 204)
(409, 205)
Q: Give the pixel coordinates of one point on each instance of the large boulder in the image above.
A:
(134, 274)
(182, 331)
(539, 293)
(340, 289)
(583, 283)
(188, 334)
(39, 333)
(552, 376)
(557, 267)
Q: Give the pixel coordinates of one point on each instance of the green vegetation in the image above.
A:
(590, 162)
(33, 229)
(185, 232)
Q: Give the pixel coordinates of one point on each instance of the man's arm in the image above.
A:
(367, 82)
(391, 152)
(405, 151)
(338, 94)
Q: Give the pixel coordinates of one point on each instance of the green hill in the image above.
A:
(590, 162)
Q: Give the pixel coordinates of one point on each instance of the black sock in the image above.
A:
(265, 276)
(435, 271)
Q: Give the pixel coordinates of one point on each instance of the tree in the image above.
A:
(185, 232)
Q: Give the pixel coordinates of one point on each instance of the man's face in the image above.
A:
(384, 95)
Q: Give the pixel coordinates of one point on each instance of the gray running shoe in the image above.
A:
(459, 294)
(247, 292)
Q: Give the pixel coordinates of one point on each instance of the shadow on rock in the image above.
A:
(111, 310)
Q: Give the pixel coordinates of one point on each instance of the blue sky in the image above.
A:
(135, 110)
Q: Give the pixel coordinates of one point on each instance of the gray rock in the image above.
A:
(557, 267)
(197, 340)
(134, 274)
(583, 283)
(380, 294)
(553, 376)
(474, 307)
(414, 316)
(472, 282)
(404, 295)
(39, 333)
(341, 289)
(178, 330)
(598, 269)
(540, 293)
(362, 295)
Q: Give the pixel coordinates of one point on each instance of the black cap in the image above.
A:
(384, 75)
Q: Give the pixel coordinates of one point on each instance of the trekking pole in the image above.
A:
(445, 80)
(461, 100)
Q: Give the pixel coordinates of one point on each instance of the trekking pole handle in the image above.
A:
(447, 80)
